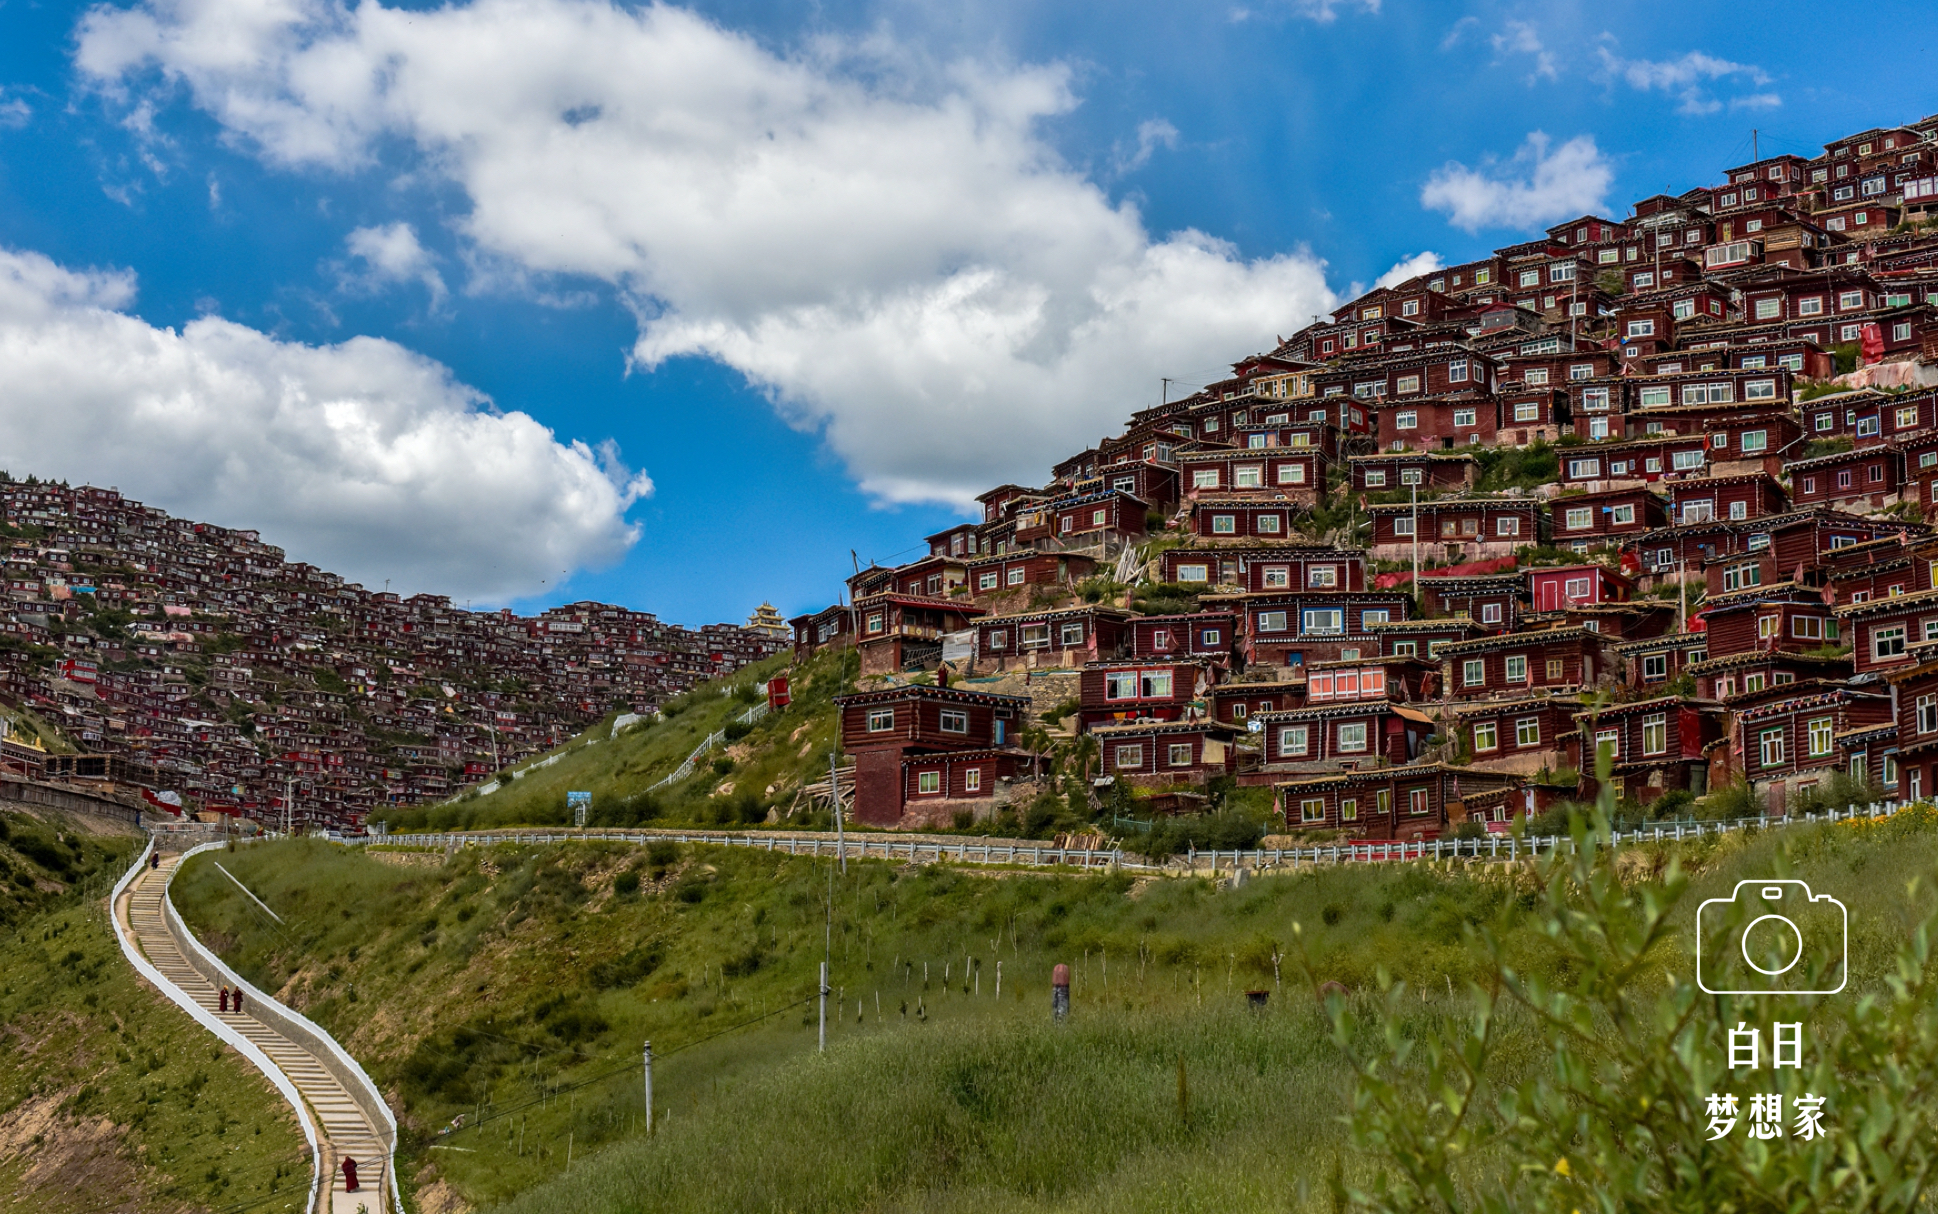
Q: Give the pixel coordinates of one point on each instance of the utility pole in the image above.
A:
(289, 806)
(1755, 155)
(1415, 487)
(834, 796)
(823, 1046)
(649, 1087)
(1164, 393)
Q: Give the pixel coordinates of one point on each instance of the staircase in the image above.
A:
(343, 1128)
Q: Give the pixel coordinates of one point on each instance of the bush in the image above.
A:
(736, 730)
(722, 765)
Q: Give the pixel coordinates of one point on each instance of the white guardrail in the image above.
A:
(859, 845)
(207, 1019)
(346, 1068)
(713, 739)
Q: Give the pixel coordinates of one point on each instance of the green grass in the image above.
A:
(130, 1103)
(499, 981)
(777, 755)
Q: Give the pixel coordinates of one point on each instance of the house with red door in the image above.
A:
(1559, 587)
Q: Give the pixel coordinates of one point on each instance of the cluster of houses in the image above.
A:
(1653, 487)
(192, 659)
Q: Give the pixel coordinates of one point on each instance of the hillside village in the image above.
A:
(1658, 485)
(194, 666)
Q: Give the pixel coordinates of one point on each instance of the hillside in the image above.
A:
(515, 985)
(110, 1099)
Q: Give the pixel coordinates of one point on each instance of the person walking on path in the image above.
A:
(238, 1001)
(224, 997)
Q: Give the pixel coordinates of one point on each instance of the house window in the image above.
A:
(1486, 736)
(1211, 636)
(1352, 738)
(1655, 734)
(1403, 525)
(1248, 476)
(1641, 328)
(1412, 476)
(1276, 577)
(1291, 474)
(1204, 478)
(929, 782)
(1369, 616)
(1120, 685)
(1224, 524)
(1323, 575)
(999, 638)
(1655, 667)
(1097, 517)
(1819, 737)
(1072, 634)
(1034, 636)
(1576, 588)
(1473, 672)
(881, 720)
(1179, 754)
(1490, 613)
(1621, 515)
(1527, 410)
(1769, 309)
(1849, 300)
(1928, 714)
(1770, 744)
(1466, 417)
(1129, 757)
(875, 622)
(1516, 668)
(1406, 384)
(1594, 399)
(1887, 643)
(1323, 621)
(1556, 670)
(954, 721)
(1375, 480)
(1015, 575)
(1685, 461)
(1507, 526)
(1534, 375)
(1755, 440)
(1292, 739)
(987, 581)
(1655, 397)
(972, 780)
(1580, 519)
(1271, 621)
(1527, 731)
(1813, 306)
(1707, 394)
(1418, 801)
(1266, 524)
(1584, 469)
(1312, 809)
(1406, 419)
(1760, 389)
(1194, 573)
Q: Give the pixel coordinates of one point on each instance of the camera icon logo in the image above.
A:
(1757, 941)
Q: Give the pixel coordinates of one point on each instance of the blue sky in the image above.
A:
(795, 280)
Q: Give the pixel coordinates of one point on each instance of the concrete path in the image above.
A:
(344, 1128)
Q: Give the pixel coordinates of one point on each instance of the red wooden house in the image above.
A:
(1245, 519)
(1654, 661)
(1516, 732)
(1870, 476)
(1457, 529)
(903, 632)
(1020, 573)
(1651, 458)
(1260, 689)
(1118, 691)
(1439, 471)
(1756, 670)
(1517, 663)
(1158, 753)
(1295, 474)
(883, 728)
(1211, 635)
(1780, 616)
(1342, 733)
(1786, 736)
(1298, 628)
(1436, 423)
(1493, 600)
(1655, 746)
(1606, 519)
(820, 629)
(1698, 500)
(1408, 638)
(1416, 801)
(1064, 636)
(1907, 764)
(1558, 587)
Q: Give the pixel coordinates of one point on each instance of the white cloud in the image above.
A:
(1324, 12)
(1151, 135)
(1520, 38)
(1457, 31)
(897, 256)
(363, 457)
(1538, 186)
(391, 254)
(1688, 77)
(1411, 266)
(14, 112)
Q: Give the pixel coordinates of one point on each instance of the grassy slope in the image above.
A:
(109, 1098)
(485, 981)
(782, 752)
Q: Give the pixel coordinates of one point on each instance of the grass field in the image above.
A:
(111, 1098)
(516, 985)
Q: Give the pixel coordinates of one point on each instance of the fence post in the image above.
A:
(649, 1087)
